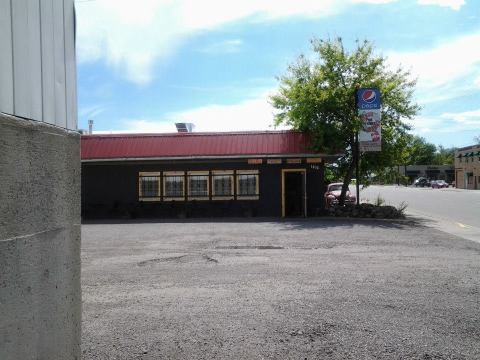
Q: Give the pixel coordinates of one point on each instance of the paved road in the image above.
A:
(314, 289)
(456, 211)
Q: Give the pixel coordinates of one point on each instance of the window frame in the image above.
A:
(238, 174)
(198, 173)
(231, 175)
(167, 174)
(145, 174)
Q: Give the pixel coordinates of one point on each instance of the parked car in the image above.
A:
(332, 195)
(439, 184)
(422, 182)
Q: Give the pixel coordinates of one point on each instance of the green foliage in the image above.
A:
(421, 152)
(331, 174)
(444, 156)
(417, 151)
(319, 96)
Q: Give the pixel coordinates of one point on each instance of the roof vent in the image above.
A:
(184, 127)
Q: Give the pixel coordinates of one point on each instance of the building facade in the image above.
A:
(432, 172)
(467, 167)
(182, 175)
(40, 292)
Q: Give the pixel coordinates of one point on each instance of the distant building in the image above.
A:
(467, 167)
(432, 172)
(260, 173)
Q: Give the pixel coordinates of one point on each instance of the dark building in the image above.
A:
(432, 172)
(272, 173)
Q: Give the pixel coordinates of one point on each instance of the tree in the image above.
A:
(444, 156)
(421, 152)
(418, 151)
(477, 139)
(318, 96)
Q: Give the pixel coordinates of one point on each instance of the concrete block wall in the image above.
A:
(40, 296)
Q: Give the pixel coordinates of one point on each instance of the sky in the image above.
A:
(145, 64)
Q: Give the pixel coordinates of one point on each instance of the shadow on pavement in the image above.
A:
(289, 224)
(318, 223)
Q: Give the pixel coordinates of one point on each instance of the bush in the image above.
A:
(368, 211)
(379, 201)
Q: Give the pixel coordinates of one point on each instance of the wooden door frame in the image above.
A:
(304, 171)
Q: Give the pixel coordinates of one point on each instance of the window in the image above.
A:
(198, 185)
(149, 186)
(174, 185)
(247, 184)
(222, 185)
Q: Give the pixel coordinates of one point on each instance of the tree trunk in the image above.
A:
(351, 168)
(346, 181)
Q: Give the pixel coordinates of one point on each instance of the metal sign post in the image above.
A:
(357, 166)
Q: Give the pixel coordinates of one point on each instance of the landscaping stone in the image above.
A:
(366, 210)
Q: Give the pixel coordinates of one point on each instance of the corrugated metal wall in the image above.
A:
(37, 60)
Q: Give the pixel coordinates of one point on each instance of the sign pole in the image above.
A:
(357, 170)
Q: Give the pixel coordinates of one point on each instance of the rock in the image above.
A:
(365, 210)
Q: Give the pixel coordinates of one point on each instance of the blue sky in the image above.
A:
(145, 64)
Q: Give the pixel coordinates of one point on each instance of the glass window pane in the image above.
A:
(173, 186)
(149, 186)
(247, 185)
(222, 185)
(198, 185)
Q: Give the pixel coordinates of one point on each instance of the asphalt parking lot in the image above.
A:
(312, 289)
(456, 211)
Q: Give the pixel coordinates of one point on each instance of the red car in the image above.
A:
(439, 184)
(332, 195)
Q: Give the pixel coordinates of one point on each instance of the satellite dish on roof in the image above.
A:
(184, 127)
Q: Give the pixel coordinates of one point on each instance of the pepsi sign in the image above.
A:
(368, 99)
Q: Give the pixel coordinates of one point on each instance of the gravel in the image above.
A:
(310, 289)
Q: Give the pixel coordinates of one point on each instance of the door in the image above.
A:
(294, 193)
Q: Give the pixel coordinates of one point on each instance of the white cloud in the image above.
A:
(132, 36)
(375, 2)
(467, 120)
(227, 46)
(454, 4)
(91, 111)
(423, 124)
(251, 114)
(447, 123)
(477, 82)
(445, 71)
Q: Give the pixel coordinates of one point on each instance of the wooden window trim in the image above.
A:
(171, 174)
(198, 173)
(257, 185)
(142, 174)
(229, 173)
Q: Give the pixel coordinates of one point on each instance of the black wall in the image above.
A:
(110, 190)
